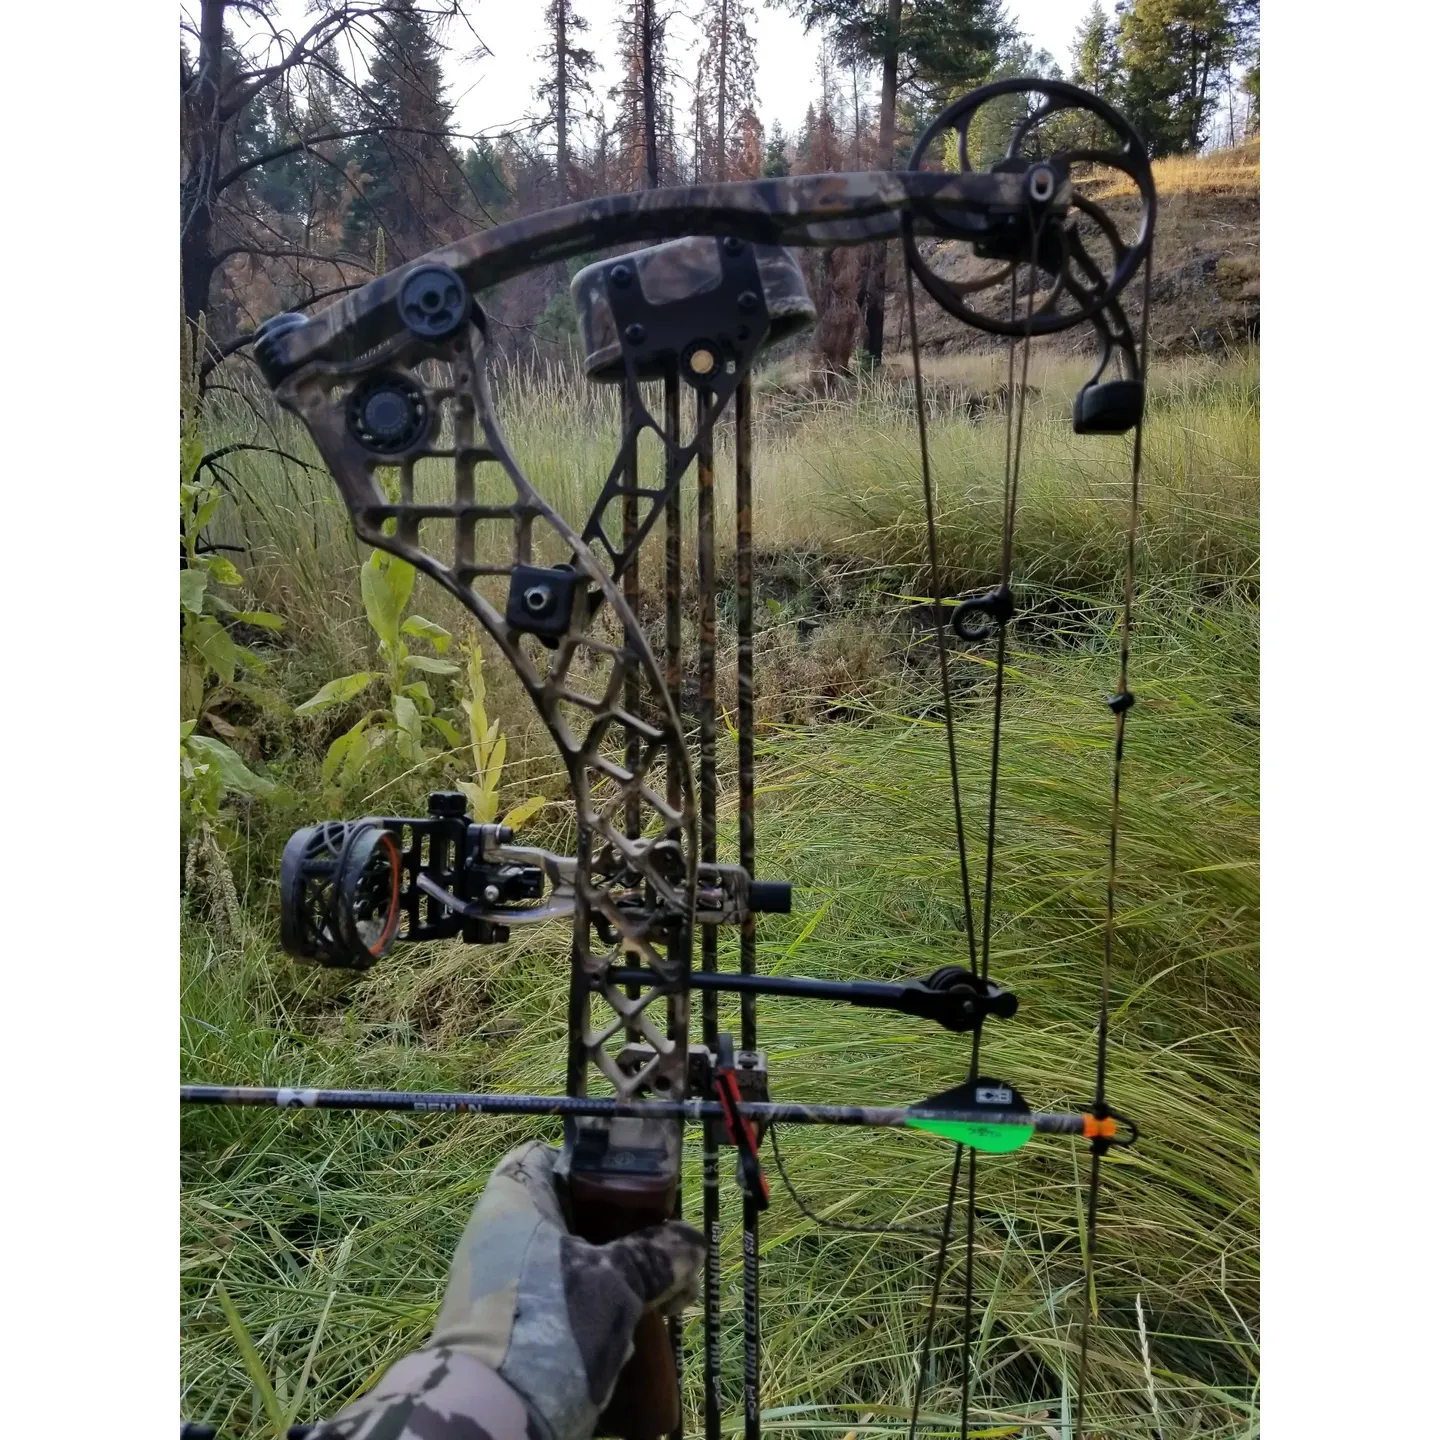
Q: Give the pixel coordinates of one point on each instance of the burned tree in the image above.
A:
(277, 139)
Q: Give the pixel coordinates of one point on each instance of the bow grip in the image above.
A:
(621, 1177)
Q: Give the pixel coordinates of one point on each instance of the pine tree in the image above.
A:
(993, 125)
(414, 188)
(298, 185)
(644, 124)
(727, 75)
(485, 175)
(1094, 54)
(833, 275)
(1245, 19)
(823, 149)
(858, 118)
(1175, 53)
(600, 161)
(568, 67)
(777, 153)
(749, 158)
(701, 140)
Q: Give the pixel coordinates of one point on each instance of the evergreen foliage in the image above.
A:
(315, 167)
(944, 44)
(409, 178)
(1175, 55)
(777, 152)
(568, 68)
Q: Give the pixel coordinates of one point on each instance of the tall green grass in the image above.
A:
(300, 1215)
(836, 476)
(330, 1233)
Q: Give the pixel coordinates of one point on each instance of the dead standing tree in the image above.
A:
(643, 97)
(726, 127)
(568, 67)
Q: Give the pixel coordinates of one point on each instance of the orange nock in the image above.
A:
(1096, 1129)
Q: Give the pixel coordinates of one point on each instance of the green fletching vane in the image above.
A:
(992, 1139)
(987, 1115)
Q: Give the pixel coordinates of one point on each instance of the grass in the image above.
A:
(330, 1234)
(837, 476)
(1232, 171)
(839, 530)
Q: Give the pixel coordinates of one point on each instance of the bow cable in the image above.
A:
(1120, 703)
(1014, 430)
(709, 960)
(927, 484)
(745, 721)
(670, 444)
(630, 579)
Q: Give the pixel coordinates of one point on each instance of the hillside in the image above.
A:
(1206, 287)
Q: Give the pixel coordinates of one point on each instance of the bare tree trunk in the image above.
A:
(855, 113)
(720, 134)
(197, 195)
(874, 284)
(1200, 100)
(647, 66)
(562, 119)
(698, 119)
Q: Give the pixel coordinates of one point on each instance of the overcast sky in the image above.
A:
(497, 92)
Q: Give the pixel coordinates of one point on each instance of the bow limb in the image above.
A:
(805, 210)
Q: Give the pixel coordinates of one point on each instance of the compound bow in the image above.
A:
(393, 378)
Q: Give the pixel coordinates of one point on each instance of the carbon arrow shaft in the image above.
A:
(762, 1112)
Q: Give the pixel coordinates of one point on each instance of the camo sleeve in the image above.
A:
(434, 1394)
(535, 1325)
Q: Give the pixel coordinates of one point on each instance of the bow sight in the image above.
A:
(392, 381)
(350, 889)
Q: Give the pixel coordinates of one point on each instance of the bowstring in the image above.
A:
(936, 597)
(1014, 429)
(1098, 1146)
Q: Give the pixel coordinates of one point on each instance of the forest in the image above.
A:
(323, 678)
(305, 170)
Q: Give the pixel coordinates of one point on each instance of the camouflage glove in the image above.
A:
(549, 1314)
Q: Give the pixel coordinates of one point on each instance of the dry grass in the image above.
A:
(1233, 171)
(347, 1221)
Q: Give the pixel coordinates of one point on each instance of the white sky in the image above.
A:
(497, 92)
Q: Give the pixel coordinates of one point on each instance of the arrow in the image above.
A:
(932, 1115)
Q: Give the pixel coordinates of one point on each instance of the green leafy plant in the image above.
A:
(487, 746)
(401, 727)
(213, 666)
